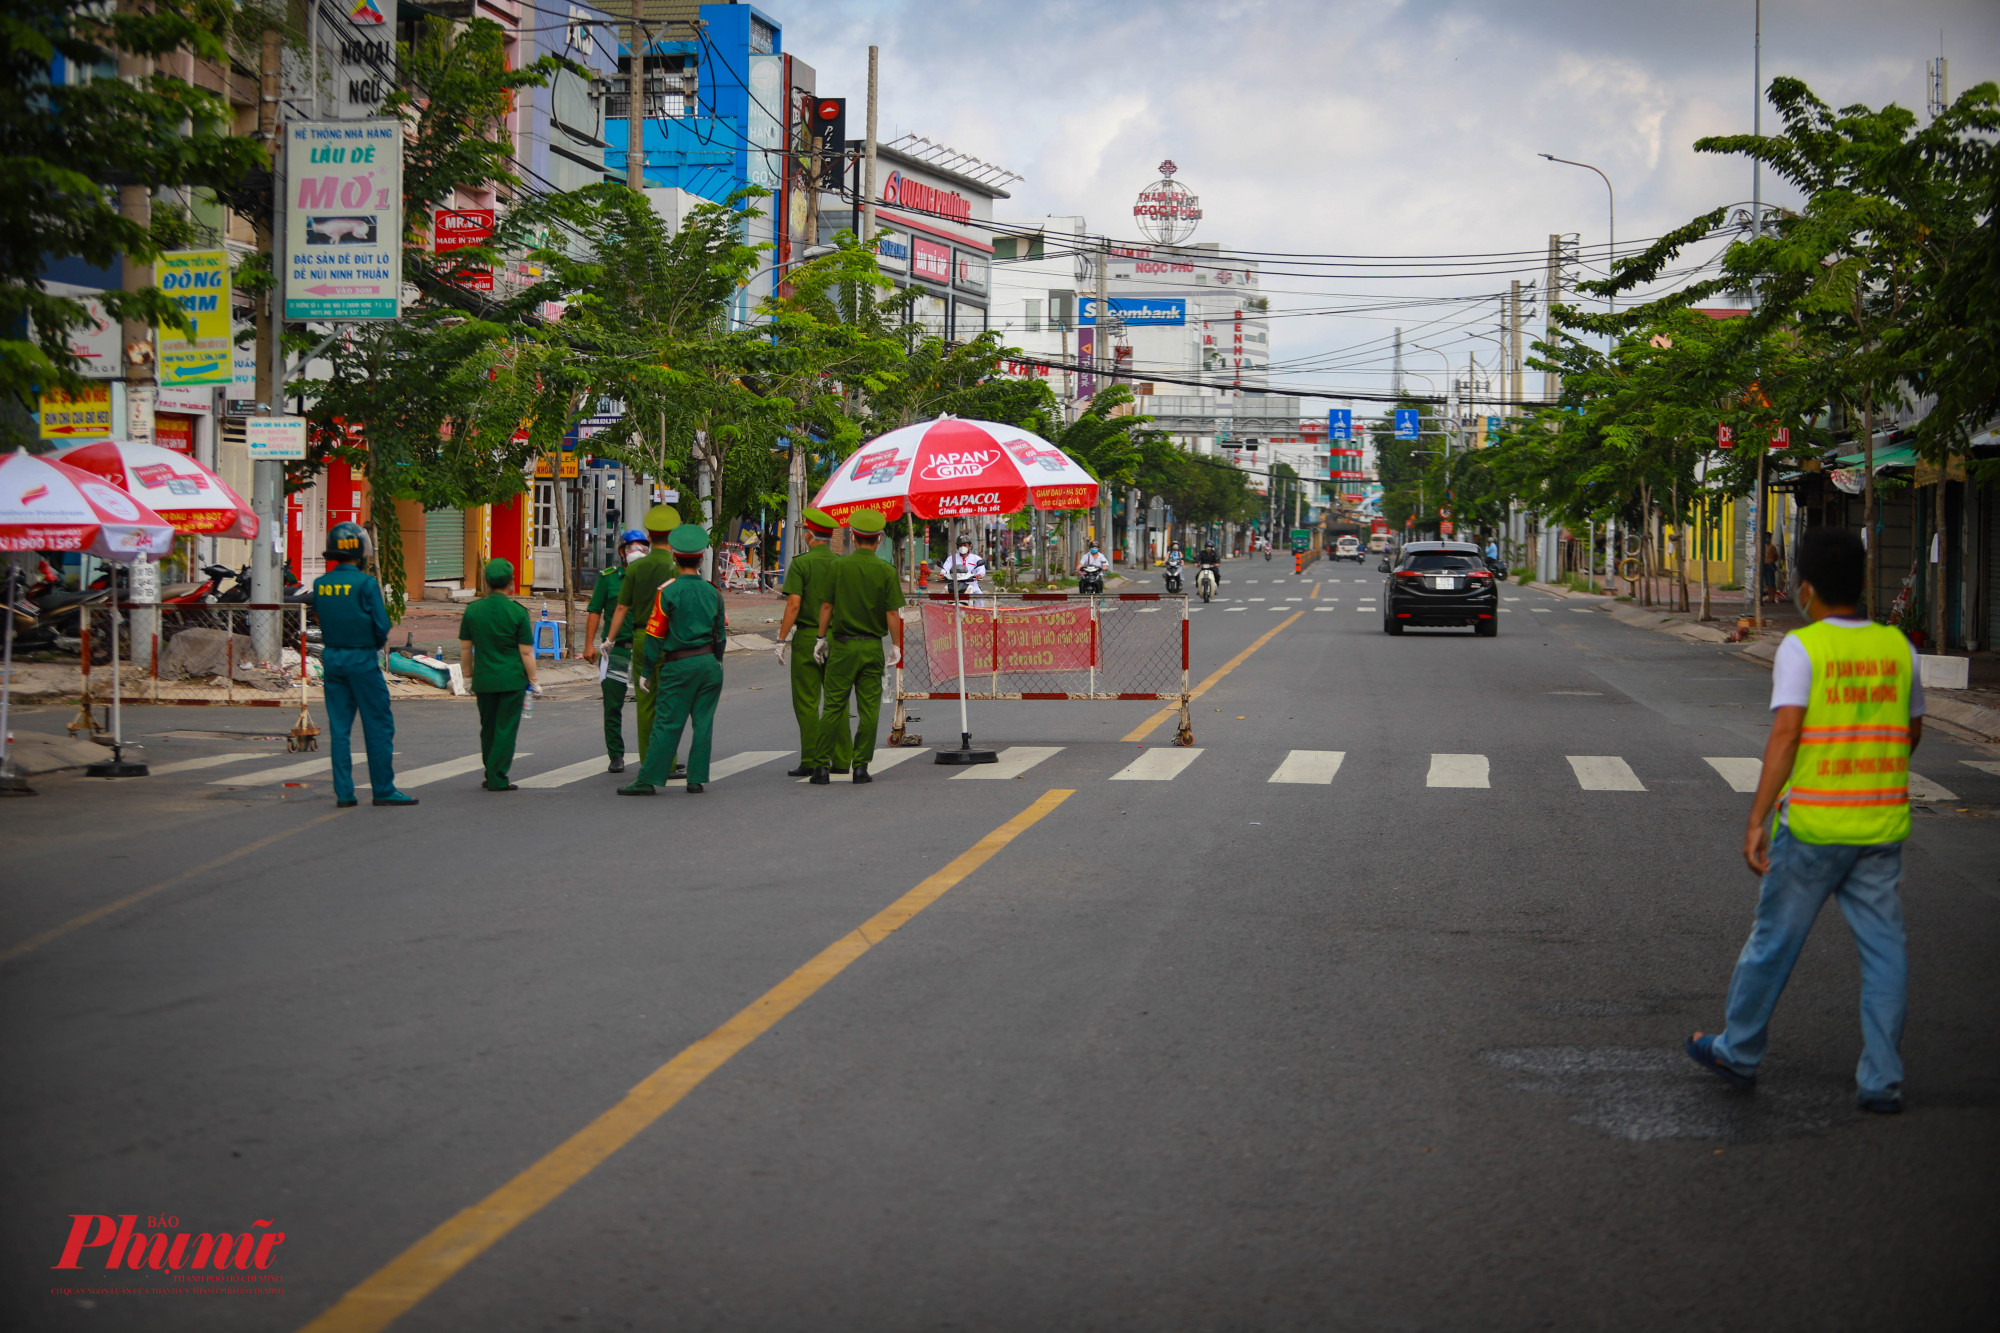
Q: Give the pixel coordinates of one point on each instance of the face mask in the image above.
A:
(965, 550)
(1801, 598)
(635, 553)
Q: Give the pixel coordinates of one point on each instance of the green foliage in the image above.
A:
(66, 146)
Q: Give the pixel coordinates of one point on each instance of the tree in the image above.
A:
(64, 144)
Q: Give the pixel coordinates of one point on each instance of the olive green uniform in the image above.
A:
(688, 686)
(866, 592)
(810, 578)
(618, 674)
(643, 580)
(497, 626)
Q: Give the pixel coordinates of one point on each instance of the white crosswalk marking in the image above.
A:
(568, 773)
(1457, 770)
(1923, 789)
(1309, 766)
(1604, 772)
(264, 777)
(1740, 774)
(1161, 764)
(883, 761)
(736, 763)
(1326, 608)
(206, 761)
(1014, 761)
(450, 768)
(1983, 765)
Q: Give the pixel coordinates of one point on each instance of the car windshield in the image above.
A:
(1438, 561)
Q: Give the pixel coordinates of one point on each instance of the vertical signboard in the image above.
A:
(463, 229)
(1406, 423)
(343, 219)
(280, 438)
(1340, 423)
(198, 282)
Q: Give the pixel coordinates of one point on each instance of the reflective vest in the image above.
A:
(1851, 781)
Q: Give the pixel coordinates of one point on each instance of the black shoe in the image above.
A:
(802, 771)
(861, 773)
(694, 789)
(1891, 1105)
(512, 786)
(348, 804)
(820, 778)
(617, 766)
(680, 771)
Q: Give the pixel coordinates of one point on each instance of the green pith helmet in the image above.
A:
(867, 522)
(688, 539)
(348, 541)
(662, 518)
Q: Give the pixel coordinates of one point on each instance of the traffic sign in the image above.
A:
(1406, 423)
(1340, 423)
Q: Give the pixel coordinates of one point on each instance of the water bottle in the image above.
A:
(528, 704)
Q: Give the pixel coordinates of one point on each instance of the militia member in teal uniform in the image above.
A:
(808, 586)
(866, 597)
(643, 580)
(685, 638)
(633, 546)
(495, 638)
(353, 626)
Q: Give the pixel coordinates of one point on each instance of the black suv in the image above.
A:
(1441, 583)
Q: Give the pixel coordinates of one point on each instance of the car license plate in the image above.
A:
(1445, 585)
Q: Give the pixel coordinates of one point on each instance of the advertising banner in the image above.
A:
(1021, 638)
(462, 229)
(198, 282)
(85, 417)
(928, 259)
(343, 219)
(281, 438)
(892, 251)
(1136, 310)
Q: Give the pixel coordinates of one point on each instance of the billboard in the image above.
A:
(198, 282)
(343, 219)
(1136, 310)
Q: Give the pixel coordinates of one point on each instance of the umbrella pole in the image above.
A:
(118, 766)
(964, 754)
(11, 784)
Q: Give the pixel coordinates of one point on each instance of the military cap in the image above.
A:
(819, 521)
(688, 539)
(499, 573)
(867, 522)
(662, 518)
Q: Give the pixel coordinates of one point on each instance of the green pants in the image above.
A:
(614, 691)
(499, 724)
(853, 667)
(808, 685)
(689, 687)
(646, 694)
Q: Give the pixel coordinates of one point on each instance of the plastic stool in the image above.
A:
(548, 636)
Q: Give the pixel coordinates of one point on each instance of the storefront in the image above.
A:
(936, 237)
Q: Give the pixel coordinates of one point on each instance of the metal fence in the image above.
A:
(1046, 646)
(195, 654)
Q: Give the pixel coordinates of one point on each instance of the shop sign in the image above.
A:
(462, 229)
(971, 274)
(1134, 310)
(918, 197)
(198, 282)
(930, 260)
(568, 466)
(187, 402)
(892, 252)
(175, 432)
(281, 438)
(96, 342)
(343, 219)
(86, 416)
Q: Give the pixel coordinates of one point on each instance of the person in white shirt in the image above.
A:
(964, 567)
(1094, 561)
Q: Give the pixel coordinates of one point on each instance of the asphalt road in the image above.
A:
(1205, 1052)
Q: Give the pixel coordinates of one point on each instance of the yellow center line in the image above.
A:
(1315, 593)
(1145, 729)
(400, 1284)
(35, 942)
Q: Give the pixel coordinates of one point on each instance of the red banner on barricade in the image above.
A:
(1012, 638)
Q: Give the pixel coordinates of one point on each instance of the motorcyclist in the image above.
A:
(966, 567)
(1174, 560)
(1209, 561)
(1093, 561)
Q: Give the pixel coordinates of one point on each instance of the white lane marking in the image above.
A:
(1740, 774)
(1510, 599)
(1923, 789)
(1014, 761)
(883, 761)
(1309, 766)
(1539, 610)
(1163, 763)
(1604, 772)
(1581, 610)
(1457, 770)
(1327, 608)
(1236, 608)
(1506, 610)
(1295, 599)
(450, 768)
(1249, 580)
(736, 763)
(1255, 599)
(1983, 765)
(568, 773)
(206, 761)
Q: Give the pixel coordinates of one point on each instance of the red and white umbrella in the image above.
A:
(178, 489)
(956, 468)
(46, 505)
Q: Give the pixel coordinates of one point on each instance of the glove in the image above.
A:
(784, 651)
(895, 658)
(821, 647)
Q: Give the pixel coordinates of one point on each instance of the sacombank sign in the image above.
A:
(1136, 310)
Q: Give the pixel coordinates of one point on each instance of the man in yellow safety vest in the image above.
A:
(1848, 710)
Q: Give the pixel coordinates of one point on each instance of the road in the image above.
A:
(1051, 1050)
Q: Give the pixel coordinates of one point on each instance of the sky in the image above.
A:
(1364, 127)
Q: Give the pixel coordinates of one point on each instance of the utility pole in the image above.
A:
(1514, 339)
(635, 107)
(1397, 388)
(267, 477)
(868, 153)
(1551, 381)
(1753, 582)
(1098, 364)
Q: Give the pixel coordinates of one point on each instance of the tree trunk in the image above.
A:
(1938, 640)
(1868, 500)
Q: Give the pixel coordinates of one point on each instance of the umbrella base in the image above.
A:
(118, 766)
(965, 754)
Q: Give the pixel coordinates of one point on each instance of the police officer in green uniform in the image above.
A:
(685, 637)
(643, 580)
(866, 596)
(808, 585)
(353, 626)
(495, 637)
(633, 546)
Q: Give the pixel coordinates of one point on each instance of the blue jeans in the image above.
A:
(354, 684)
(1802, 876)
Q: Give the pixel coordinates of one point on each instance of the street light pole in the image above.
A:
(1611, 254)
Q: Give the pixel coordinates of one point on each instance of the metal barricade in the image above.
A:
(1046, 646)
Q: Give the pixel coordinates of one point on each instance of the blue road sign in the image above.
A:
(1340, 423)
(1406, 423)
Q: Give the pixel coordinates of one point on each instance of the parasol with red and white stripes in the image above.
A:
(956, 468)
(46, 505)
(172, 485)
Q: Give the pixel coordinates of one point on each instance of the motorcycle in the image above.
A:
(1205, 582)
(1173, 580)
(1090, 583)
(1267, 553)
